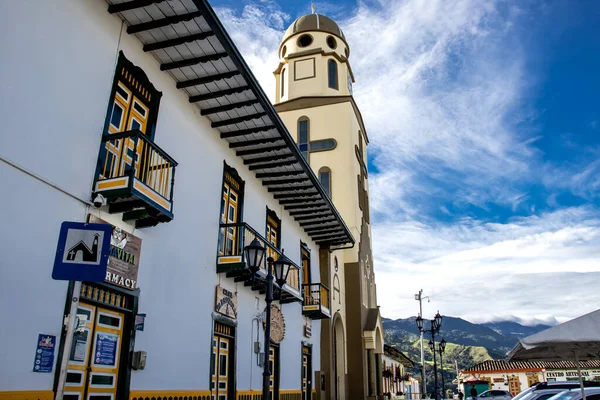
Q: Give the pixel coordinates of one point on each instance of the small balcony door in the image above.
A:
(232, 196)
(229, 215)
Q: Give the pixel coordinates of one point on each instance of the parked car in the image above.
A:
(545, 390)
(495, 395)
(591, 393)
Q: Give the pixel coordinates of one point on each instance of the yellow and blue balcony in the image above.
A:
(136, 177)
(315, 301)
(233, 238)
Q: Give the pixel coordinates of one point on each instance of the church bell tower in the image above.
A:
(314, 100)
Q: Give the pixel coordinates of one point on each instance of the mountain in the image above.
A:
(468, 343)
(456, 330)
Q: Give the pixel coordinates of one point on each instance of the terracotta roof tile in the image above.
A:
(502, 365)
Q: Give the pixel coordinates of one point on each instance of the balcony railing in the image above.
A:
(315, 303)
(233, 238)
(136, 177)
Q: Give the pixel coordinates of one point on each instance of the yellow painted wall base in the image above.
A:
(169, 394)
(284, 394)
(28, 395)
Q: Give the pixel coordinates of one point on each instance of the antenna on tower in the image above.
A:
(312, 7)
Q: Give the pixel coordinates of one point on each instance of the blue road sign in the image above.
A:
(82, 252)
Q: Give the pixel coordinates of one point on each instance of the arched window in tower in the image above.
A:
(332, 73)
(282, 82)
(325, 178)
(336, 289)
(304, 136)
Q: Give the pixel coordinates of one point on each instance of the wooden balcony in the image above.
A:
(136, 177)
(233, 238)
(315, 304)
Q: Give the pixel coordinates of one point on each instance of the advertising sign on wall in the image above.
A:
(106, 349)
(44, 353)
(124, 257)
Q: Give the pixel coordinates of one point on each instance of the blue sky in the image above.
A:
(484, 121)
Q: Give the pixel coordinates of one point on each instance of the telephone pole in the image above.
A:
(419, 297)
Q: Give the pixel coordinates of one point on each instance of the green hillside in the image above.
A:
(463, 355)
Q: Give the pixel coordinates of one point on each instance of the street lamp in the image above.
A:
(255, 253)
(442, 350)
(435, 325)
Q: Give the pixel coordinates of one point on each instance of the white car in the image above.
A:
(545, 390)
(591, 393)
(495, 395)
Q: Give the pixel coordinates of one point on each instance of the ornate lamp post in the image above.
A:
(435, 325)
(442, 350)
(255, 253)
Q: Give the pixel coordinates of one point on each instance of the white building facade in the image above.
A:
(397, 381)
(148, 109)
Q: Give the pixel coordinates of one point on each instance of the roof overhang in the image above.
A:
(192, 46)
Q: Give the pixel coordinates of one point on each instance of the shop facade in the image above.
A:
(516, 376)
(144, 116)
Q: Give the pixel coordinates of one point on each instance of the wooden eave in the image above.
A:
(192, 46)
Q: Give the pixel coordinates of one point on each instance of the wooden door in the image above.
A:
(93, 368)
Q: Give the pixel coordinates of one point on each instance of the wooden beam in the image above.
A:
(233, 121)
(284, 181)
(244, 132)
(307, 225)
(192, 61)
(317, 238)
(297, 196)
(307, 212)
(254, 142)
(273, 165)
(219, 93)
(300, 202)
(331, 229)
(262, 175)
(159, 23)
(227, 107)
(321, 228)
(267, 159)
(313, 215)
(206, 79)
(130, 5)
(291, 188)
(303, 206)
(177, 41)
(241, 153)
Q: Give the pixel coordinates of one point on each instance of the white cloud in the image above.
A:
(441, 85)
(526, 268)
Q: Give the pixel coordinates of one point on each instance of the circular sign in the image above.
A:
(277, 325)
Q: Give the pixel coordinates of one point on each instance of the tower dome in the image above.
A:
(308, 25)
(313, 22)
(313, 60)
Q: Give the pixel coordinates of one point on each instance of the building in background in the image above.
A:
(397, 382)
(148, 109)
(314, 99)
(516, 376)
